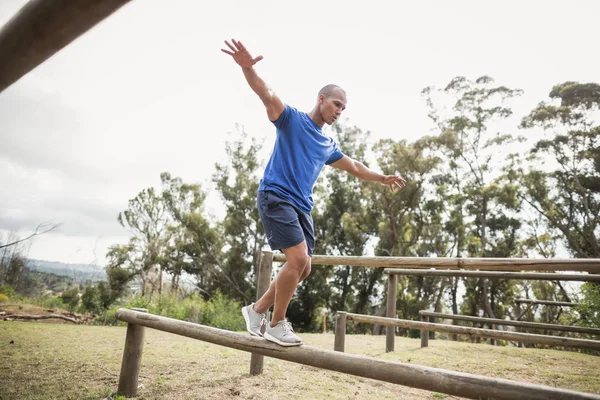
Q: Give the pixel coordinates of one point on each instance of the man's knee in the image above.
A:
(299, 261)
(306, 271)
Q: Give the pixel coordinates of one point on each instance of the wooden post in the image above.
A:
(424, 333)
(340, 331)
(263, 280)
(132, 359)
(390, 331)
(431, 333)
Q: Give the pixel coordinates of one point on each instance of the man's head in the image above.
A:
(330, 103)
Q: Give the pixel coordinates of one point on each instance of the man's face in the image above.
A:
(332, 106)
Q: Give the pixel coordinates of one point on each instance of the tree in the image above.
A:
(590, 304)
(194, 245)
(146, 219)
(408, 222)
(237, 181)
(483, 221)
(565, 191)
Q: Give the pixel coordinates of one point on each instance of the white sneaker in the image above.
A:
(254, 320)
(282, 334)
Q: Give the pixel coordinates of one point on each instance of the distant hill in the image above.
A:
(80, 272)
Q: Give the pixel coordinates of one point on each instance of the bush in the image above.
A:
(71, 298)
(222, 312)
(107, 317)
(219, 311)
(3, 298)
(49, 302)
(8, 291)
(90, 300)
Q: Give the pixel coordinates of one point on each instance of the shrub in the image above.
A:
(7, 290)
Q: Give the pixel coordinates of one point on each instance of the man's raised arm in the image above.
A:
(242, 57)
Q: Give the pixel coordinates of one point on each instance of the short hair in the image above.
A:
(328, 90)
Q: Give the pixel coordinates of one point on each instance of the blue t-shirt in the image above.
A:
(301, 150)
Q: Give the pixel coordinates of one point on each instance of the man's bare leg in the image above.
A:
(296, 255)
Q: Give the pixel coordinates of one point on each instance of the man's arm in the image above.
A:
(360, 171)
(242, 57)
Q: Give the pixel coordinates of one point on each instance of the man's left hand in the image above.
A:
(394, 182)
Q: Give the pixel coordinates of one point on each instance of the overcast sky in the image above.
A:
(148, 90)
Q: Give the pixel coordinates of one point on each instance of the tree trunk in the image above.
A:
(345, 289)
(438, 303)
(484, 297)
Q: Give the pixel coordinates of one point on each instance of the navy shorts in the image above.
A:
(285, 225)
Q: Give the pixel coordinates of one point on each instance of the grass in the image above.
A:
(66, 361)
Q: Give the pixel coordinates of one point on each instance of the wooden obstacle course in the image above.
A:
(427, 378)
(477, 332)
(522, 324)
(394, 272)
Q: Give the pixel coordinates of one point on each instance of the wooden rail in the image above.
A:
(427, 378)
(43, 27)
(522, 324)
(558, 341)
(547, 302)
(506, 264)
(495, 274)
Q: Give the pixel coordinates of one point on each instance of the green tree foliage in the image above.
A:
(193, 243)
(145, 218)
(483, 220)
(237, 182)
(590, 304)
(70, 297)
(563, 182)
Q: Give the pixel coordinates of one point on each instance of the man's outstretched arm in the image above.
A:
(242, 57)
(360, 171)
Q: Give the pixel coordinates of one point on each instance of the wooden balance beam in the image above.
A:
(427, 378)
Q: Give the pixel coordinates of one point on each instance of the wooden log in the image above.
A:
(547, 302)
(43, 27)
(495, 274)
(390, 333)
(497, 321)
(263, 280)
(480, 332)
(132, 358)
(9, 317)
(498, 264)
(427, 378)
(340, 332)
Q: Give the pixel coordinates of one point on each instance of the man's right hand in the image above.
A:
(240, 55)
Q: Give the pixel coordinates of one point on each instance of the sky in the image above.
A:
(148, 90)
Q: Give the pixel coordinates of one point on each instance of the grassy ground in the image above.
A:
(41, 360)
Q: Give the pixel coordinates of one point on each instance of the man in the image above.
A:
(284, 197)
